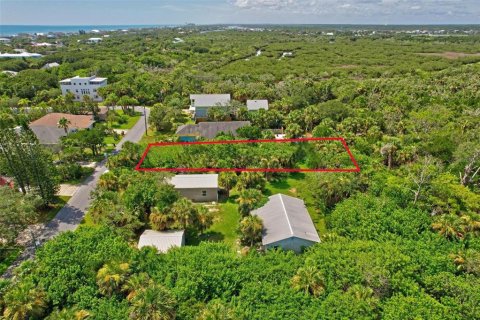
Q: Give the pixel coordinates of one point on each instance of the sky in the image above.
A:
(165, 12)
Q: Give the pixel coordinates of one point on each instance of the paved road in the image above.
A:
(72, 214)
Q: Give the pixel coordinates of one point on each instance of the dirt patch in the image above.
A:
(450, 55)
(347, 66)
(293, 190)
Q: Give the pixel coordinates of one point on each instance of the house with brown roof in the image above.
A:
(49, 133)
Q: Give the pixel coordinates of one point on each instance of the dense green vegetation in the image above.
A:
(401, 239)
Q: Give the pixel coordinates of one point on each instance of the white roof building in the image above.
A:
(94, 40)
(20, 55)
(287, 223)
(254, 105)
(4, 40)
(51, 65)
(162, 240)
(195, 181)
(209, 100)
(83, 86)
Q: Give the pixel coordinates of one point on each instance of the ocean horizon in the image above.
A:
(11, 30)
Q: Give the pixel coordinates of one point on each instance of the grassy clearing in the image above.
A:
(49, 213)
(224, 228)
(130, 122)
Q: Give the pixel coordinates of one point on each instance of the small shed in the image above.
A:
(255, 105)
(208, 130)
(162, 240)
(287, 224)
(197, 187)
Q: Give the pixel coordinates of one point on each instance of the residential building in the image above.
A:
(51, 65)
(5, 40)
(200, 103)
(94, 40)
(7, 182)
(162, 240)
(197, 187)
(208, 130)
(287, 224)
(20, 55)
(48, 132)
(255, 105)
(83, 86)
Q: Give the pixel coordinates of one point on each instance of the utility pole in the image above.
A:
(145, 118)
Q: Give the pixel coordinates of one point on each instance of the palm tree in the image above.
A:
(64, 123)
(310, 280)
(24, 301)
(184, 212)
(205, 218)
(449, 226)
(360, 292)
(470, 224)
(160, 221)
(135, 284)
(388, 150)
(155, 302)
(111, 277)
(250, 229)
(227, 180)
(216, 310)
(248, 200)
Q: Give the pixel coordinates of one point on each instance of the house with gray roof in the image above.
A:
(200, 103)
(286, 224)
(209, 130)
(162, 240)
(197, 187)
(255, 105)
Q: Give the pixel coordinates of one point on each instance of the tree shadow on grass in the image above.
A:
(213, 236)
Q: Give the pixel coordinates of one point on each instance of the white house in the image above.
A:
(20, 55)
(83, 86)
(5, 40)
(255, 105)
(162, 240)
(286, 224)
(94, 40)
(200, 103)
(51, 65)
(197, 187)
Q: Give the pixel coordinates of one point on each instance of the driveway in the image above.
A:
(72, 214)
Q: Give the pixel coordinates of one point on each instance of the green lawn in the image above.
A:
(224, 228)
(49, 213)
(129, 124)
(7, 258)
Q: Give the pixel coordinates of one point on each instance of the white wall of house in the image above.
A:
(200, 194)
(83, 86)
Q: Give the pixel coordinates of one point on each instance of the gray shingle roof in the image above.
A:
(253, 105)
(285, 217)
(209, 130)
(48, 135)
(195, 181)
(209, 100)
(162, 240)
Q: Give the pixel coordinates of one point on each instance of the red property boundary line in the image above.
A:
(164, 144)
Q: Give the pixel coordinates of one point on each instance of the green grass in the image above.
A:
(49, 213)
(87, 220)
(10, 257)
(225, 224)
(129, 124)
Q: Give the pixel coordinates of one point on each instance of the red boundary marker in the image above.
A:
(164, 144)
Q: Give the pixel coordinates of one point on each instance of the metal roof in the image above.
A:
(209, 130)
(209, 100)
(257, 105)
(195, 181)
(162, 240)
(285, 217)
